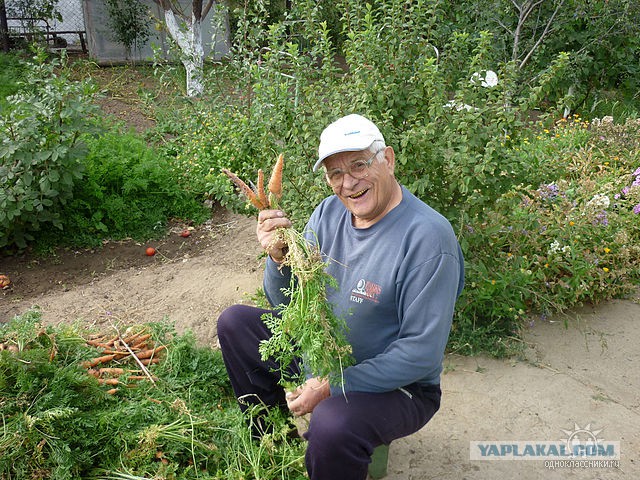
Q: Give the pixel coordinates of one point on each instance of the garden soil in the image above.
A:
(577, 372)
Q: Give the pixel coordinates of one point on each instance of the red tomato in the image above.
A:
(185, 233)
(150, 251)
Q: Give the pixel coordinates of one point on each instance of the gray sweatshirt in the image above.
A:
(398, 283)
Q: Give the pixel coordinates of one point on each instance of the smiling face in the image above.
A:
(372, 197)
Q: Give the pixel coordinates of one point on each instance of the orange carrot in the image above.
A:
(108, 381)
(99, 343)
(261, 195)
(117, 354)
(275, 182)
(101, 338)
(244, 189)
(149, 361)
(112, 391)
(150, 353)
(97, 361)
(111, 371)
(139, 342)
(131, 338)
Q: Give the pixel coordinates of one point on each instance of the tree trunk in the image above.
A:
(4, 28)
(190, 43)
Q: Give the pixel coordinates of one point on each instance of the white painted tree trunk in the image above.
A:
(189, 40)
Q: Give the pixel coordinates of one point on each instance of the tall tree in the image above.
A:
(186, 30)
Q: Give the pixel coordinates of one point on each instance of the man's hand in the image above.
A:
(268, 222)
(305, 398)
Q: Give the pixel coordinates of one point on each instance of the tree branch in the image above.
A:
(196, 10)
(207, 8)
(506, 28)
(542, 35)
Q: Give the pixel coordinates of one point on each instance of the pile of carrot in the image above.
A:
(118, 352)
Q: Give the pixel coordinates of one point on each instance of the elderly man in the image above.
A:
(399, 269)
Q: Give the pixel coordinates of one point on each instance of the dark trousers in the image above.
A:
(344, 429)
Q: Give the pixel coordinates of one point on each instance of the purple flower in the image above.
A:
(601, 219)
(636, 182)
(637, 172)
(549, 192)
(636, 209)
(625, 191)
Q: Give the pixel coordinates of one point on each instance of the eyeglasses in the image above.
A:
(358, 170)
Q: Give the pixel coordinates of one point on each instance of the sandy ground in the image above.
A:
(579, 370)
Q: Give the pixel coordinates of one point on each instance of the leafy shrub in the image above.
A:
(547, 247)
(128, 190)
(11, 69)
(40, 149)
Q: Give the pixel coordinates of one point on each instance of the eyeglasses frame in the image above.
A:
(367, 162)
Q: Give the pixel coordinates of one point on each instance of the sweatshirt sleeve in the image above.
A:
(426, 296)
(276, 278)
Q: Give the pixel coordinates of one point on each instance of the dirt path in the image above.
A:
(584, 374)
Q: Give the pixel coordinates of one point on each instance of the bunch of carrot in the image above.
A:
(258, 197)
(116, 351)
(307, 327)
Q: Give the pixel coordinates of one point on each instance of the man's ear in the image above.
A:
(390, 158)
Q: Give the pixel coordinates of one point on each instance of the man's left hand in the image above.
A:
(305, 398)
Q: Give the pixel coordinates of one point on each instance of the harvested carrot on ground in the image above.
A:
(99, 344)
(117, 354)
(149, 361)
(97, 361)
(108, 381)
(134, 338)
(150, 353)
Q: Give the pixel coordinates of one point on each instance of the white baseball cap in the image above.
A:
(347, 134)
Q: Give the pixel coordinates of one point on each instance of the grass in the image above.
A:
(10, 73)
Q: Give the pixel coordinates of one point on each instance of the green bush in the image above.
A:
(549, 246)
(11, 70)
(128, 190)
(40, 149)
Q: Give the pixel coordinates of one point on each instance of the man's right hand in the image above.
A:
(269, 221)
